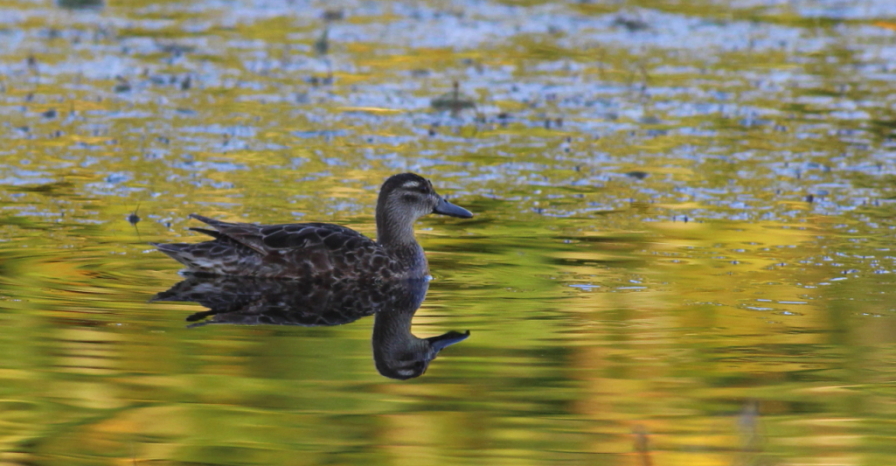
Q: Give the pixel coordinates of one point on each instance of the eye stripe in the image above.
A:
(415, 187)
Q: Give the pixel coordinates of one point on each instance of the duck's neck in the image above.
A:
(394, 231)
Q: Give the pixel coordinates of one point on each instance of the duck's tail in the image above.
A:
(181, 252)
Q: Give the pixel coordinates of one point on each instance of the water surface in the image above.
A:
(682, 253)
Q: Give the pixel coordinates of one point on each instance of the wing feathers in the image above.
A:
(265, 239)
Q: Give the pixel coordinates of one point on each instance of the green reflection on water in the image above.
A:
(731, 307)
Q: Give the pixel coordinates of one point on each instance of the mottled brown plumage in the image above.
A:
(306, 250)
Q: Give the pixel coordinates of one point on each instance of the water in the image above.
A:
(682, 252)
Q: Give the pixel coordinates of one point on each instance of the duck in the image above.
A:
(322, 250)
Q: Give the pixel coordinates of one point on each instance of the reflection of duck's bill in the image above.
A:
(446, 208)
(443, 341)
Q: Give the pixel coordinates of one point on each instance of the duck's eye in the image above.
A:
(409, 198)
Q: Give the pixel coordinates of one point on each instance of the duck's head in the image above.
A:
(406, 197)
(414, 196)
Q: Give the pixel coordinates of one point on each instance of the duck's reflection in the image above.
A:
(255, 301)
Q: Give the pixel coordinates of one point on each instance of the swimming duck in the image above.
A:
(315, 250)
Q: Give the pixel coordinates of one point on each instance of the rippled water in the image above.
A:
(683, 250)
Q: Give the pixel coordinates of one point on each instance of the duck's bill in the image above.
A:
(447, 208)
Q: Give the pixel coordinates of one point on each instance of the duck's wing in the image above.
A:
(265, 239)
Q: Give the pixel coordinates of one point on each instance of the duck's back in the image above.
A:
(302, 250)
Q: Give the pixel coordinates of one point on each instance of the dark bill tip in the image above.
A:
(447, 208)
